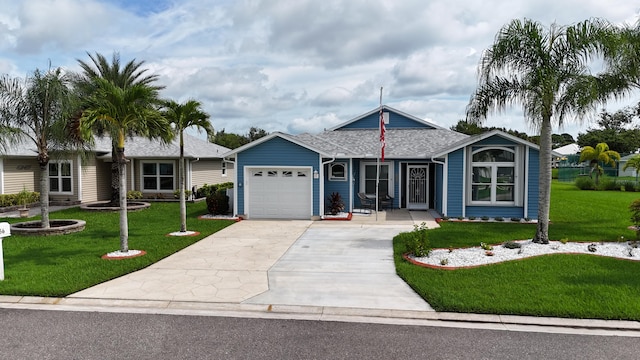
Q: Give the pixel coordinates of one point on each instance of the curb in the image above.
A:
(321, 313)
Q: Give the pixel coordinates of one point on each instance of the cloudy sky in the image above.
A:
(290, 65)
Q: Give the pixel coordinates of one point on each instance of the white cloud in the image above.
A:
(290, 65)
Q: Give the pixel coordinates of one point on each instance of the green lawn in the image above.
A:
(580, 286)
(61, 265)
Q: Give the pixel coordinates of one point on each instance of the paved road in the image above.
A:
(30, 334)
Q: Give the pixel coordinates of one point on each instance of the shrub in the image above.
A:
(498, 218)
(629, 186)
(218, 203)
(207, 190)
(485, 218)
(24, 197)
(335, 203)
(608, 184)
(417, 242)
(134, 195)
(635, 216)
(486, 246)
(585, 183)
(176, 193)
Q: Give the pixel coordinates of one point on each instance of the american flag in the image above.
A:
(382, 130)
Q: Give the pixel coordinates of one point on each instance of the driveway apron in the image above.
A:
(341, 266)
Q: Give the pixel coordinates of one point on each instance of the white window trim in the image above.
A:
(373, 163)
(338, 178)
(157, 162)
(60, 177)
(516, 164)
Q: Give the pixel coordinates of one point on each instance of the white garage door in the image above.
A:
(279, 193)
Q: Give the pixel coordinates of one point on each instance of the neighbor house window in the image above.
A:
(224, 168)
(60, 177)
(493, 176)
(158, 176)
(338, 172)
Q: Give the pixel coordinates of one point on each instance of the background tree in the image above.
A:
(546, 71)
(233, 141)
(183, 116)
(597, 155)
(614, 129)
(633, 163)
(120, 111)
(122, 76)
(38, 108)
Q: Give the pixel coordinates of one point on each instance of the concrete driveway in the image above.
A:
(323, 263)
(341, 265)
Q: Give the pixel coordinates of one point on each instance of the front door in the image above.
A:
(417, 187)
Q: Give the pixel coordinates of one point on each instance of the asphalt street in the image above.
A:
(37, 334)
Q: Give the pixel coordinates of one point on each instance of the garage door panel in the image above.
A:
(279, 193)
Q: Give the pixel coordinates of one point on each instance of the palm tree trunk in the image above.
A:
(183, 202)
(124, 224)
(44, 195)
(544, 183)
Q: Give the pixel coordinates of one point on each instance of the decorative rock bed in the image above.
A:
(105, 206)
(57, 227)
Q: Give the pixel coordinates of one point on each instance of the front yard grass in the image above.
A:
(62, 265)
(561, 285)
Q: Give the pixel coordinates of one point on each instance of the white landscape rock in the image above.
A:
(477, 256)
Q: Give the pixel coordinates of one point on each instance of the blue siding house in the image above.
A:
(426, 167)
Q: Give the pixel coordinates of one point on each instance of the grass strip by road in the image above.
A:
(560, 285)
(62, 265)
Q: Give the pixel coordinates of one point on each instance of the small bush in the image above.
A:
(176, 193)
(207, 190)
(417, 242)
(498, 218)
(629, 186)
(608, 184)
(485, 218)
(134, 195)
(218, 203)
(515, 219)
(585, 183)
(486, 246)
(24, 197)
(336, 205)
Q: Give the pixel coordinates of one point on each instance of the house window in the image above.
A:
(224, 168)
(338, 172)
(158, 176)
(60, 177)
(368, 181)
(493, 176)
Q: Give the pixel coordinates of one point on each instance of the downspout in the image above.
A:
(190, 178)
(79, 176)
(236, 186)
(322, 183)
(444, 184)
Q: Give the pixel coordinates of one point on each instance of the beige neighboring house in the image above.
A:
(153, 169)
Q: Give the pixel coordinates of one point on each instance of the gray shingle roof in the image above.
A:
(139, 147)
(400, 143)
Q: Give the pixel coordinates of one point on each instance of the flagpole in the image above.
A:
(378, 156)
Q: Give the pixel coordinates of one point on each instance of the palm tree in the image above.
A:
(546, 71)
(633, 163)
(38, 108)
(183, 116)
(120, 75)
(601, 153)
(119, 112)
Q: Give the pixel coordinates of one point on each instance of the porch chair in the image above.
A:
(366, 202)
(386, 202)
